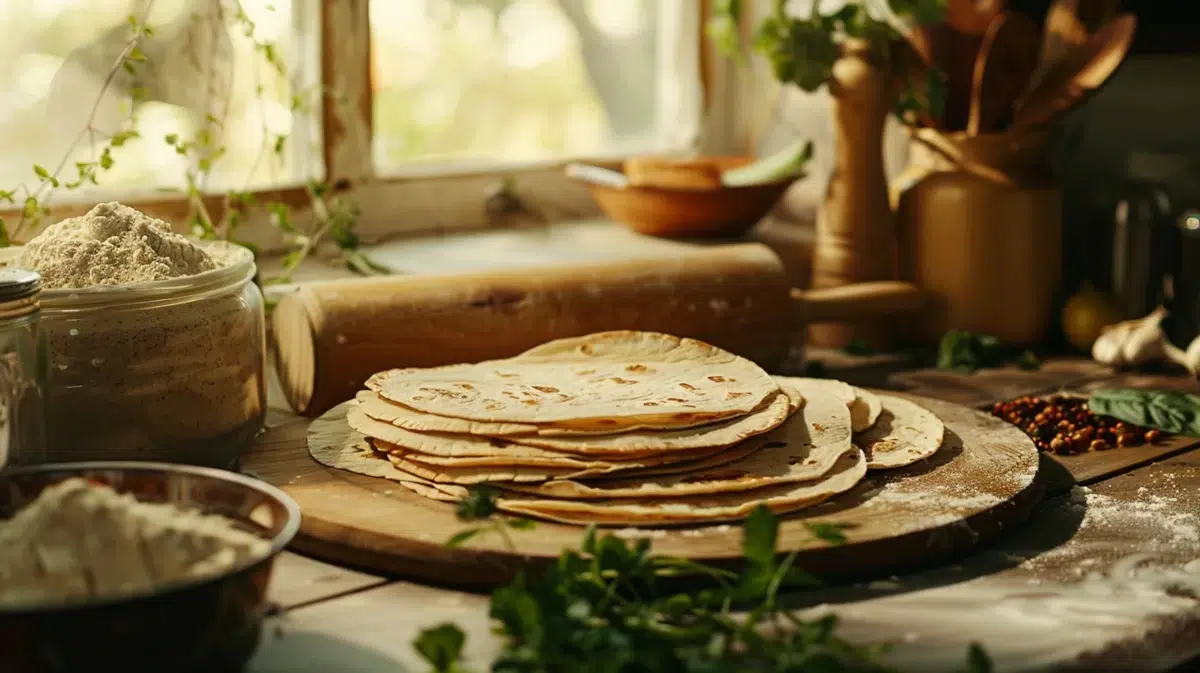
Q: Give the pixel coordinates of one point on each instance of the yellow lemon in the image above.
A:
(1086, 314)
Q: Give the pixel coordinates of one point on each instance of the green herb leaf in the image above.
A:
(1170, 411)
(441, 646)
(967, 352)
(1029, 361)
(462, 536)
(978, 660)
(856, 347)
(759, 535)
(521, 524)
(480, 503)
(833, 533)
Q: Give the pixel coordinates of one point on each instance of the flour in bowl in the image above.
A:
(112, 244)
(82, 540)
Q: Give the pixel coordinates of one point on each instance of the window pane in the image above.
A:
(201, 73)
(480, 80)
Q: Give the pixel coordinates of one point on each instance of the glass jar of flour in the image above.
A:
(171, 370)
(22, 369)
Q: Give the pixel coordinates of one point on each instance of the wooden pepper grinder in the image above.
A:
(855, 235)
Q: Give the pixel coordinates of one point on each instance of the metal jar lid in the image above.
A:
(19, 292)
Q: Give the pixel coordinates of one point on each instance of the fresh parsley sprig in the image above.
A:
(607, 608)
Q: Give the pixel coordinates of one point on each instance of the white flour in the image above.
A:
(112, 244)
(1173, 525)
(82, 540)
(176, 376)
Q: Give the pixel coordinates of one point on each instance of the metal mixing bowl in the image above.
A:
(210, 625)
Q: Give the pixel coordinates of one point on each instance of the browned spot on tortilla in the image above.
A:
(586, 349)
(687, 386)
(492, 406)
(884, 445)
(586, 372)
(733, 396)
(510, 395)
(464, 386)
(676, 399)
(649, 404)
(529, 402)
(442, 392)
(818, 427)
(624, 382)
(726, 475)
(546, 389)
(717, 379)
(506, 376)
(774, 445)
(638, 369)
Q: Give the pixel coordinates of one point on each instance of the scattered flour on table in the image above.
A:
(112, 244)
(1162, 515)
(84, 540)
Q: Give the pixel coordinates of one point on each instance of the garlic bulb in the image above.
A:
(1132, 342)
(1189, 359)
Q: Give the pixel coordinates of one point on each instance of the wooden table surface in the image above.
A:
(1105, 577)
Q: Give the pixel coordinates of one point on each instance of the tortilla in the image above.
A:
(715, 508)
(904, 434)
(357, 456)
(868, 408)
(451, 437)
(804, 448)
(862, 403)
(468, 475)
(615, 381)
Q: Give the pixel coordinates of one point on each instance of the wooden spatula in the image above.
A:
(1006, 59)
(1071, 78)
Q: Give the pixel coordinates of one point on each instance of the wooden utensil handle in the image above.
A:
(860, 300)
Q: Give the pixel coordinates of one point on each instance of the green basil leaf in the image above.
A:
(1170, 411)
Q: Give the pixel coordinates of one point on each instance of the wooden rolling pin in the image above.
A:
(330, 337)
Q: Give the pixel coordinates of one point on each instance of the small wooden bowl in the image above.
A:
(690, 213)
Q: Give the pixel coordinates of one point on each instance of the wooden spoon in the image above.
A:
(973, 17)
(1063, 32)
(1006, 59)
(1075, 75)
(953, 54)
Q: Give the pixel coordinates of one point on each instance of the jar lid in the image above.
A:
(16, 283)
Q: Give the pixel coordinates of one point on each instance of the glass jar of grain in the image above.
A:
(167, 371)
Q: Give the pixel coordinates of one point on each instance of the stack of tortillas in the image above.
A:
(627, 428)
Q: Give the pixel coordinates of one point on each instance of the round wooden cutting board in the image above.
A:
(983, 480)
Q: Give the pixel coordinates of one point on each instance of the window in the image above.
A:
(195, 80)
(419, 105)
(512, 80)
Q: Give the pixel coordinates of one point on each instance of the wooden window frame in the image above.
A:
(439, 201)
